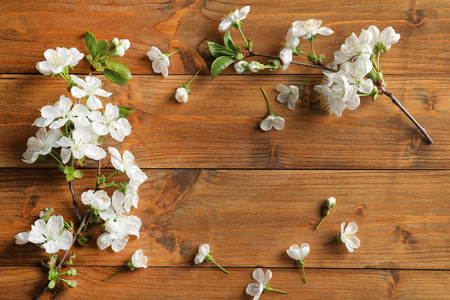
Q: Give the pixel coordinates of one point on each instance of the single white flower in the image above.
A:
(42, 144)
(348, 236)
(289, 95)
(95, 138)
(98, 200)
(22, 238)
(298, 253)
(237, 15)
(61, 112)
(355, 72)
(355, 48)
(310, 28)
(182, 95)
(160, 61)
(110, 122)
(79, 145)
(204, 253)
(272, 121)
(385, 39)
(119, 225)
(51, 235)
(290, 46)
(261, 284)
(139, 260)
(127, 165)
(90, 87)
(337, 94)
(241, 67)
(56, 60)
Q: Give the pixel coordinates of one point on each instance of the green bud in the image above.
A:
(71, 283)
(239, 56)
(250, 45)
(51, 284)
(72, 272)
(313, 59)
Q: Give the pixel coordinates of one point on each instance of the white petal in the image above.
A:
(258, 275)
(278, 123)
(65, 240)
(267, 276)
(325, 31)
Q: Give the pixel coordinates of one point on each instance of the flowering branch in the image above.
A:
(322, 67)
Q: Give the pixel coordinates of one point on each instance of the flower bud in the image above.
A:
(239, 56)
(115, 41)
(255, 66)
(125, 44)
(331, 202)
(328, 205)
(119, 51)
(51, 284)
(241, 67)
(182, 95)
(46, 213)
(71, 283)
(72, 272)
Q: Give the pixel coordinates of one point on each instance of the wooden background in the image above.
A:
(215, 177)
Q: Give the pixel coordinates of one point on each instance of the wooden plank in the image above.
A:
(250, 217)
(208, 283)
(27, 30)
(219, 126)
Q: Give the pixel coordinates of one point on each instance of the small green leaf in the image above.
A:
(100, 49)
(90, 41)
(117, 71)
(218, 50)
(228, 42)
(125, 111)
(220, 64)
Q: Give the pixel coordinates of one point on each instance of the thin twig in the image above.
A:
(294, 62)
(74, 200)
(396, 102)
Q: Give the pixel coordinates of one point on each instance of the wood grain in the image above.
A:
(27, 30)
(219, 126)
(209, 283)
(250, 217)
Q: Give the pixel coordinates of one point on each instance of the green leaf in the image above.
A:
(228, 42)
(90, 41)
(125, 111)
(117, 71)
(100, 49)
(220, 64)
(218, 50)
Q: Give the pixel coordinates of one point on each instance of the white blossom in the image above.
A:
(127, 164)
(288, 94)
(256, 288)
(298, 253)
(110, 122)
(310, 28)
(272, 121)
(90, 87)
(61, 112)
(79, 145)
(182, 95)
(355, 72)
(337, 94)
(119, 225)
(56, 60)
(51, 235)
(355, 48)
(348, 236)
(388, 37)
(42, 144)
(292, 42)
(202, 253)
(132, 194)
(98, 200)
(255, 66)
(237, 15)
(160, 61)
(139, 260)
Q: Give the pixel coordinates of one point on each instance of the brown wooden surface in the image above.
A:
(215, 177)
